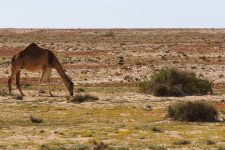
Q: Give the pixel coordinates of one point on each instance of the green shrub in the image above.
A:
(79, 98)
(192, 111)
(172, 82)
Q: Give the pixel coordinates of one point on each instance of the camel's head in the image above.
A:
(70, 88)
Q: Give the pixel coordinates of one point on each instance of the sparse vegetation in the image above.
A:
(80, 90)
(192, 111)
(182, 142)
(122, 148)
(156, 129)
(18, 97)
(80, 147)
(121, 60)
(122, 118)
(79, 98)
(36, 120)
(100, 146)
(3, 92)
(109, 34)
(153, 147)
(221, 148)
(172, 82)
(210, 142)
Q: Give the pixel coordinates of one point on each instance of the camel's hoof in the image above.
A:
(50, 95)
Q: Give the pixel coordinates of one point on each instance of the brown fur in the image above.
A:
(34, 59)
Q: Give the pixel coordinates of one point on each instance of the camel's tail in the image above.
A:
(13, 60)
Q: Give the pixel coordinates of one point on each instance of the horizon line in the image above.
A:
(53, 28)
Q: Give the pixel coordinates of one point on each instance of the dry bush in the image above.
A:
(192, 111)
(35, 119)
(79, 98)
(109, 34)
(182, 142)
(173, 82)
(18, 97)
(156, 129)
(210, 142)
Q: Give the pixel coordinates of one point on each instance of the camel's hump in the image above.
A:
(33, 45)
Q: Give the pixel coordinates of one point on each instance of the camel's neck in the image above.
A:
(56, 64)
(65, 78)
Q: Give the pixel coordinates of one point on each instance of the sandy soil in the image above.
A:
(92, 59)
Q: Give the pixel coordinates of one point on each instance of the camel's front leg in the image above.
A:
(10, 82)
(48, 79)
(18, 82)
(41, 79)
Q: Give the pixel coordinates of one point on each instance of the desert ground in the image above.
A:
(120, 118)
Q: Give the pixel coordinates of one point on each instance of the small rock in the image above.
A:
(221, 119)
(128, 78)
(148, 108)
(121, 60)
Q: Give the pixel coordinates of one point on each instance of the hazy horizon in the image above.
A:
(86, 14)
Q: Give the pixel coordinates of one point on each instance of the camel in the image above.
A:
(34, 59)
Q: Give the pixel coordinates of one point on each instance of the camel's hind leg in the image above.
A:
(49, 72)
(41, 79)
(18, 82)
(11, 78)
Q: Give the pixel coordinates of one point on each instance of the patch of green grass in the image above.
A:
(54, 147)
(122, 125)
(87, 134)
(154, 147)
(79, 90)
(80, 147)
(222, 111)
(5, 60)
(122, 148)
(111, 89)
